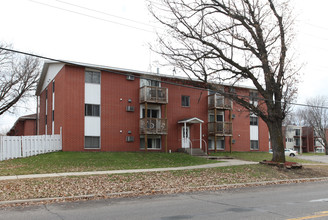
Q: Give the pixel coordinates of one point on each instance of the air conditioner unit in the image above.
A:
(129, 138)
(233, 141)
(130, 108)
(130, 77)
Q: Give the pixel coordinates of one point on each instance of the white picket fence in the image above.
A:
(24, 146)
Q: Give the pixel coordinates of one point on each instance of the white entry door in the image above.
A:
(185, 140)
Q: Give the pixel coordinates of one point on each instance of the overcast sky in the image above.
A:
(117, 33)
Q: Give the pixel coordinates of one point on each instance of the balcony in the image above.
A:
(153, 126)
(154, 94)
(219, 102)
(220, 128)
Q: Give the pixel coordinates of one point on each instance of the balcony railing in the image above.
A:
(153, 126)
(218, 101)
(220, 128)
(154, 94)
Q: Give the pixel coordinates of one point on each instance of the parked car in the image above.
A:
(288, 152)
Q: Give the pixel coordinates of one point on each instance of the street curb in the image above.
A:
(153, 192)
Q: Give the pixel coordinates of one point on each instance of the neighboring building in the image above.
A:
(310, 141)
(109, 109)
(24, 126)
(292, 136)
(297, 136)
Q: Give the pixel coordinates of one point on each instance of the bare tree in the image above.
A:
(316, 117)
(230, 41)
(18, 78)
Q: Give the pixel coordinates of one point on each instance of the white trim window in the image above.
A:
(91, 142)
(153, 111)
(92, 77)
(92, 110)
(219, 117)
(254, 120)
(254, 145)
(150, 82)
(153, 142)
(219, 143)
(185, 101)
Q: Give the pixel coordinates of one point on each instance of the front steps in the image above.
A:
(195, 151)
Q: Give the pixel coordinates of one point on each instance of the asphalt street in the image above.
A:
(290, 201)
(315, 158)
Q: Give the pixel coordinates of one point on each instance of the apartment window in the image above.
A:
(92, 142)
(315, 133)
(219, 118)
(151, 113)
(53, 115)
(92, 110)
(297, 142)
(254, 145)
(152, 143)
(92, 77)
(46, 93)
(53, 86)
(185, 101)
(253, 120)
(219, 144)
(45, 120)
(253, 96)
(153, 83)
(297, 132)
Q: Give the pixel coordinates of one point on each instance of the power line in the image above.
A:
(127, 19)
(131, 20)
(91, 16)
(141, 77)
(315, 25)
(105, 13)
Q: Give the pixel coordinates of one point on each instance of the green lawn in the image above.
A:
(256, 156)
(92, 161)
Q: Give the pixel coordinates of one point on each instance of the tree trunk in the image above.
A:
(277, 144)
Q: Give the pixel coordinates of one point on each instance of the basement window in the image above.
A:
(219, 143)
(254, 145)
(92, 142)
(152, 142)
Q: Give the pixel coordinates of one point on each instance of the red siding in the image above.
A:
(29, 127)
(73, 95)
(176, 112)
(115, 93)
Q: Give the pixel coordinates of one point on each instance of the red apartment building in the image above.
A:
(110, 109)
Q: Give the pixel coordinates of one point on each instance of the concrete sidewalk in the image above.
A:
(224, 163)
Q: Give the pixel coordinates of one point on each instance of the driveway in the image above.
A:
(321, 159)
